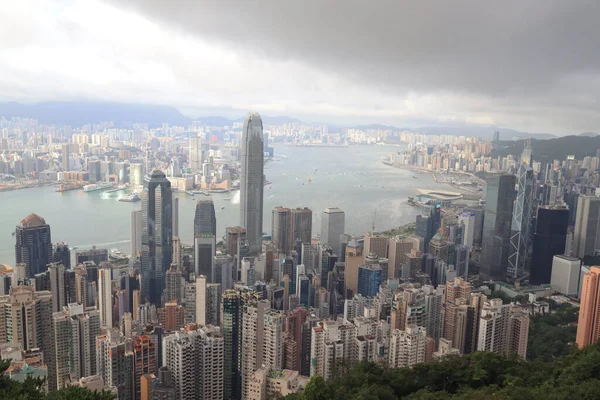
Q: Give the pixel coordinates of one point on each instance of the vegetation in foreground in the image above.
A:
(471, 377)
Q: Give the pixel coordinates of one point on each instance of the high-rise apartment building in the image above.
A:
(253, 340)
(74, 334)
(65, 157)
(57, 286)
(144, 360)
(500, 197)
(332, 348)
(33, 246)
(503, 329)
(354, 258)
(549, 240)
(333, 224)
(521, 223)
(157, 225)
(208, 302)
(136, 233)
(115, 363)
(105, 296)
(175, 218)
(25, 318)
(252, 181)
(585, 235)
(588, 327)
(195, 358)
(173, 284)
(205, 221)
(408, 347)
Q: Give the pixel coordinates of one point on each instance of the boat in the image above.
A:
(222, 208)
(189, 193)
(115, 254)
(309, 180)
(97, 186)
(13, 233)
(227, 198)
(116, 189)
(132, 198)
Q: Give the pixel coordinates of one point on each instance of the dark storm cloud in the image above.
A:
(491, 48)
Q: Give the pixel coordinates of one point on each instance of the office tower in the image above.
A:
(25, 316)
(280, 229)
(65, 157)
(234, 236)
(586, 226)
(354, 258)
(251, 181)
(173, 283)
(223, 268)
(461, 261)
(526, 154)
(98, 256)
(549, 240)
(327, 260)
(204, 255)
(62, 255)
(196, 156)
(33, 245)
(332, 345)
(478, 230)
(332, 227)
(496, 136)
(521, 222)
(157, 225)
(208, 302)
(175, 230)
(57, 286)
(500, 197)
(95, 171)
(455, 234)
(588, 327)
(105, 292)
(376, 243)
(205, 221)
(195, 358)
(398, 247)
(115, 363)
(231, 316)
(503, 329)
(301, 225)
(565, 274)
(440, 248)
(253, 340)
(467, 220)
(408, 347)
(369, 279)
(74, 334)
(144, 360)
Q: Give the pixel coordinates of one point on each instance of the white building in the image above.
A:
(408, 347)
(565, 274)
(468, 221)
(105, 296)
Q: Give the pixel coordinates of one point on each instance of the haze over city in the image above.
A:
(259, 200)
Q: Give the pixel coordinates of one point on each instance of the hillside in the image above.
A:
(474, 376)
(553, 149)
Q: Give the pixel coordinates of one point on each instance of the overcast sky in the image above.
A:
(529, 65)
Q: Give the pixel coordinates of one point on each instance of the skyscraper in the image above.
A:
(467, 220)
(549, 240)
(62, 254)
(280, 229)
(196, 156)
(588, 327)
(301, 225)
(332, 227)
(136, 233)
(500, 197)
(105, 304)
(65, 157)
(204, 218)
(521, 222)
(33, 245)
(157, 225)
(204, 256)
(586, 226)
(175, 231)
(503, 329)
(251, 181)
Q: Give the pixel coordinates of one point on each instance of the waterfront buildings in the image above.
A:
(33, 246)
(157, 225)
(252, 181)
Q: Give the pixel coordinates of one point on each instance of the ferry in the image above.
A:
(97, 186)
(115, 254)
(218, 190)
(132, 198)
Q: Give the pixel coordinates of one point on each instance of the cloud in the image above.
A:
(523, 64)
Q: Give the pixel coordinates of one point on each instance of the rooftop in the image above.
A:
(32, 220)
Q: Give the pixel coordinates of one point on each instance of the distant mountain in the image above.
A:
(278, 120)
(379, 127)
(553, 149)
(82, 113)
(484, 132)
(215, 121)
(589, 134)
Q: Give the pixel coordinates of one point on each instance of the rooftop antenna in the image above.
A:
(373, 225)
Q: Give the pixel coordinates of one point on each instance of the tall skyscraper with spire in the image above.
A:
(157, 235)
(251, 181)
(523, 212)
